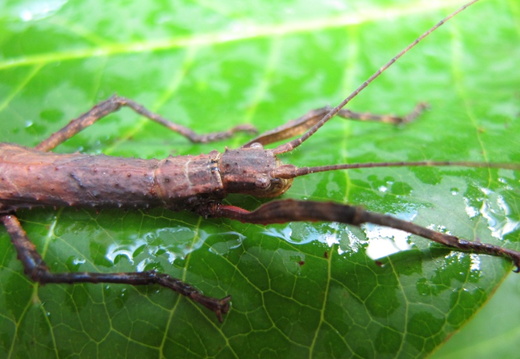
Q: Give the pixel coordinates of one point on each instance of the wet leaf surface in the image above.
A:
(299, 289)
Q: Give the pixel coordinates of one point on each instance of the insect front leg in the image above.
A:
(288, 210)
(37, 270)
(300, 125)
(113, 104)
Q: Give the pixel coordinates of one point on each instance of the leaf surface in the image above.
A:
(299, 289)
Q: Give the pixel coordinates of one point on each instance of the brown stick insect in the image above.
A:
(35, 177)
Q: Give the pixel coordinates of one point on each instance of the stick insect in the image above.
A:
(35, 177)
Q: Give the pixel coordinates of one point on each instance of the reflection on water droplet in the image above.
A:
(475, 262)
(331, 238)
(174, 242)
(457, 258)
(302, 233)
(39, 9)
(470, 210)
(177, 242)
(227, 241)
(379, 241)
(125, 250)
(78, 261)
(284, 233)
(498, 214)
(141, 266)
(385, 241)
(352, 244)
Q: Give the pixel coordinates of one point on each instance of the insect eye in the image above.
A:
(262, 182)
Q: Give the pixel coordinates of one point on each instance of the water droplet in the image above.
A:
(78, 261)
(126, 250)
(383, 241)
(40, 9)
(227, 242)
(498, 214)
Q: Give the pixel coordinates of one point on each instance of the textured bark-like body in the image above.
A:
(30, 178)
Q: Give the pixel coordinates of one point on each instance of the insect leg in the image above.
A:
(300, 125)
(37, 270)
(395, 120)
(113, 104)
(288, 210)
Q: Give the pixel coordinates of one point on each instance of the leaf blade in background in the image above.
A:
(298, 289)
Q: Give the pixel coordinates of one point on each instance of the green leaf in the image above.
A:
(493, 331)
(299, 289)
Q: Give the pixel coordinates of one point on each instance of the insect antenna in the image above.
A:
(290, 171)
(289, 146)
